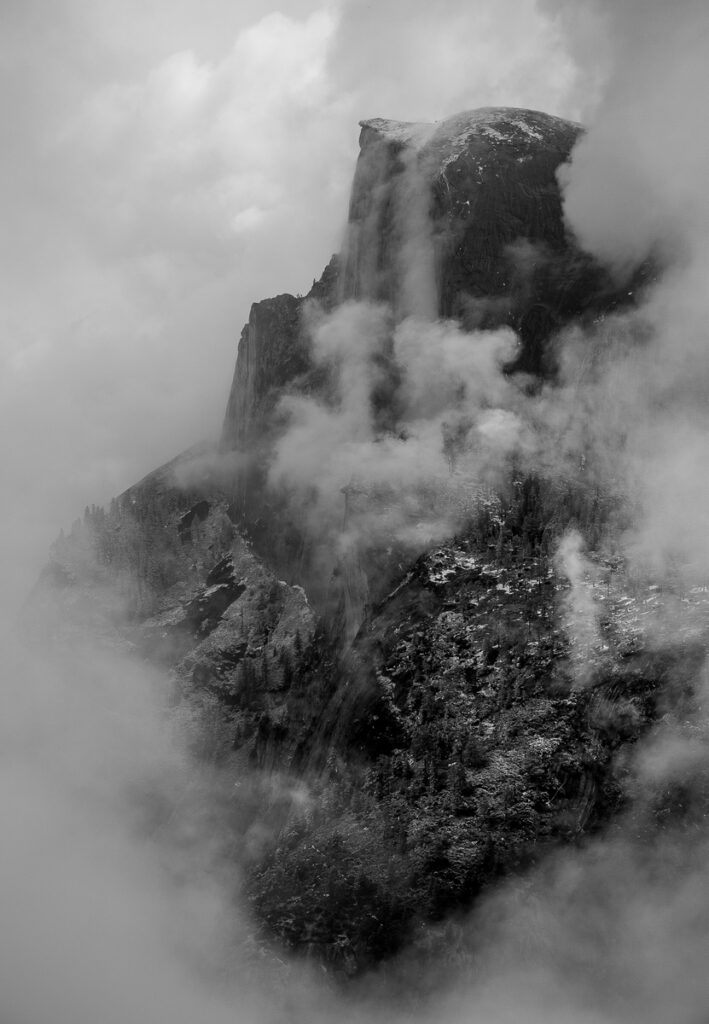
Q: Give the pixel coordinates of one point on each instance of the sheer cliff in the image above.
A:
(458, 219)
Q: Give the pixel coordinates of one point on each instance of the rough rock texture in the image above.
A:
(486, 181)
(472, 204)
(273, 353)
(451, 743)
(461, 219)
(461, 743)
(450, 739)
(164, 574)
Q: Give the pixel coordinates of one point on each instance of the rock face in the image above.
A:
(460, 219)
(461, 748)
(475, 196)
(273, 353)
(165, 575)
(430, 706)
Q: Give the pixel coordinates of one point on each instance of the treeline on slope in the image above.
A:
(455, 745)
(145, 534)
(142, 545)
(446, 747)
(459, 750)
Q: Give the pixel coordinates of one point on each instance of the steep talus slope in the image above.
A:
(442, 714)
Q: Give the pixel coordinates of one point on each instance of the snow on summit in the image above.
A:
(447, 139)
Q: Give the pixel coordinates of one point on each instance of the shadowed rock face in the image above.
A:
(273, 353)
(475, 197)
(461, 219)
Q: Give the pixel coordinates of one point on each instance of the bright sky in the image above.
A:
(166, 164)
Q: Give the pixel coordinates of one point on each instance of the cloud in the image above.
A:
(580, 612)
(636, 178)
(110, 873)
(424, 61)
(164, 165)
(167, 164)
(419, 418)
(635, 190)
(198, 152)
(148, 198)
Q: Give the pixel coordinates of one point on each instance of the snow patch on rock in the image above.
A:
(444, 141)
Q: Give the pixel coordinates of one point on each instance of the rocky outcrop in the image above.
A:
(473, 205)
(273, 353)
(451, 742)
(460, 219)
(170, 579)
(460, 745)
(483, 181)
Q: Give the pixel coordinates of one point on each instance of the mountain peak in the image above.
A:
(447, 139)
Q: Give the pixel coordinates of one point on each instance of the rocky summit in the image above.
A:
(458, 219)
(408, 649)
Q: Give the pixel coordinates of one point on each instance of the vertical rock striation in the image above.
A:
(461, 219)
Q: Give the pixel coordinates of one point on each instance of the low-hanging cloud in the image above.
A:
(167, 165)
(113, 907)
(635, 180)
(150, 194)
(421, 61)
(453, 411)
(634, 191)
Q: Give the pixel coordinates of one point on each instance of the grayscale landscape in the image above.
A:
(355, 659)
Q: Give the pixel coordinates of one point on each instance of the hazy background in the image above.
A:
(165, 165)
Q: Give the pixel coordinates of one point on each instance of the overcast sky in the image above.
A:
(167, 163)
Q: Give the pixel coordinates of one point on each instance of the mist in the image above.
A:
(105, 917)
(399, 481)
(615, 931)
(165, 169)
